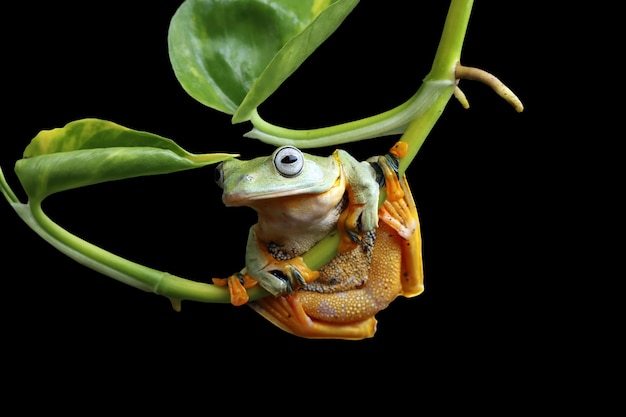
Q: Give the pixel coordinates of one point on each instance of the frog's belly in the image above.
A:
(357, 284)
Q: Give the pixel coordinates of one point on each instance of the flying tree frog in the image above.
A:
(299, 199)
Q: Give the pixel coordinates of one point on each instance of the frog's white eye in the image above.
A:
(289, 161)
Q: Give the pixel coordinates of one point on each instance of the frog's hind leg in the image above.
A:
(400, 212)
(287, 313)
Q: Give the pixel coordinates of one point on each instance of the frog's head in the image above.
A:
(286, 172)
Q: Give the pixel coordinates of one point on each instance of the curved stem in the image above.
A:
(6, 190)
(130, 273)
(414, 119)
(391, 122)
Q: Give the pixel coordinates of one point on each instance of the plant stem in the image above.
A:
(424, 107)
(451, 42)
(391, 122)
(442, 71)
(6, 190)
(446, 59)
(144, 278)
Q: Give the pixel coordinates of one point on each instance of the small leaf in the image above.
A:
(232, 55)
(92, 151)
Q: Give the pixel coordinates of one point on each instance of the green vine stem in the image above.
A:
(136, 275)
(6, 190)
(446, 59)
(394, 121)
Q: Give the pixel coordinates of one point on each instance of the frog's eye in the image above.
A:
(289, 161)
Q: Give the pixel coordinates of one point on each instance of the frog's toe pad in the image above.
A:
(288, 276)
(237, 285)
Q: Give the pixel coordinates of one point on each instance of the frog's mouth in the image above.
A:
(248, 188)
(244, 198)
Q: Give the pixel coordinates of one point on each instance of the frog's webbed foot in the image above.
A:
(280, 277)
(276, 272)
(400, 212)
(349, 228)
(237, 286)
(287, 313)
(284, 277)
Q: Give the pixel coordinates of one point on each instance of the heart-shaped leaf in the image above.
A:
(91, 151)
(232, 55)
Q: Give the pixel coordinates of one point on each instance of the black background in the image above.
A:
(470, 180)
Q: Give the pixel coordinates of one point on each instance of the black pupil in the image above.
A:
(288, 159)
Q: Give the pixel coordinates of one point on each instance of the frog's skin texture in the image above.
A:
(375, 263)
(342, 302)
(299, 199)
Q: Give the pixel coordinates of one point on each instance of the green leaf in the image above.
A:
(92, 151)
(232, 55)
(97, 133)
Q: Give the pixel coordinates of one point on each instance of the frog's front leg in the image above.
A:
(276, 276)
(361, 214)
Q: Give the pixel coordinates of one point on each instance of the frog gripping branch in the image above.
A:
(337, 239)
(363, 278)
(300, 199)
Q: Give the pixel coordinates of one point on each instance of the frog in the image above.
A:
(300, 198)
